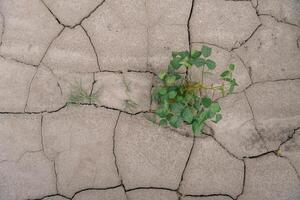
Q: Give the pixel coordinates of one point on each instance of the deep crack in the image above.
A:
(247, 39)
(254, 124)
(186, 164)
(77, 24)
(278, 20)
(29, 89)
(93, 46)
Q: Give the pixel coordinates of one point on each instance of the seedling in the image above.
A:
(79, 95)
(129, 103)
(182, 100)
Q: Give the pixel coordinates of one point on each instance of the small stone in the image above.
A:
(236, 131)
(276, 109)
(129, 91)
(272, 52)
(270, 178)
(107, 194)
(224, 23)
(80, 140)
(32, 177)
(71, 12)
(283, 10)
(150, 194)
(211, 170)
(19, 134)
(29, 30)
(149, 155)
(71, 52)
(14, 85)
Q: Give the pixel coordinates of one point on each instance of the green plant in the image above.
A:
(182, 100)
(79, 95)
(129, 103)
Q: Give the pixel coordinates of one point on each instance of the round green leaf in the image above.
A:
(175, 121)
(170, 79)
(199, 62)
(195, 53)
(202, 117)
(206, 101)
(225, 74)
(161, 75)
(162, 91)
(197, 127)
(161, 112)
(206, 51)
(187, 115)
(215, 107)
(172, 94)
(231, 67)
(175, 63)
(163, 122)
(210, 64)
(176, 108)
(218, 117)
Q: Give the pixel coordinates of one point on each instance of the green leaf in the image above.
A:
(179, 99)
(183, 54)
(215, 107)
(161, 112)
(218, 117)
(206, 51)
(170, 79)
(225, 74)
(197, 103)
(162, 91)
(175, 121)
(175, 63)
(222, 91)
(187, 98)
(176, 108)
(163, 122)
(165, 104)
(187, 115)
(206, 101)
(202, 116)
(232, 85)
(233, 82)
(174, 53)
(198, 62)
(172, 94)
(197, 127)
(195, 54)
(211, 114)
(185, 63)
(178, 76)
(161, 75)
(231, 67)
(210, 64)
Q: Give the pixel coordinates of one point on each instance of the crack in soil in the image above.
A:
(77, 24)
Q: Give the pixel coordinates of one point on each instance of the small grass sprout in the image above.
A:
(79, 95)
